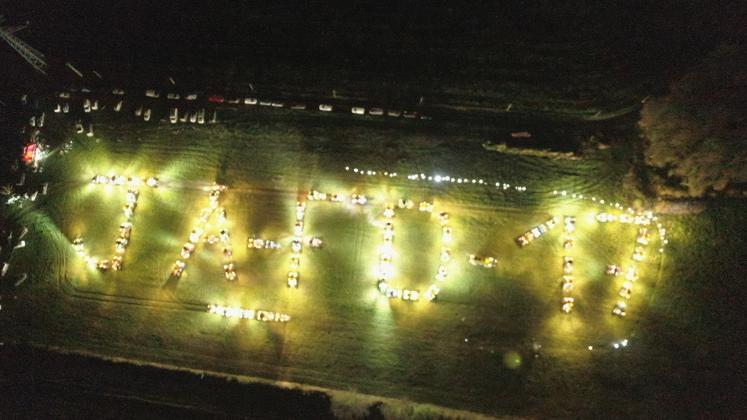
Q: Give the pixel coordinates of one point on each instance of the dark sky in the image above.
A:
(391, 39)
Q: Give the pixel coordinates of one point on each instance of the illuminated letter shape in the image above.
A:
(198, 235)
(386, 255)
(298, 228)
(133, 185)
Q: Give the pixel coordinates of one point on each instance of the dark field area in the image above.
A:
(576, 58)
(38, 383)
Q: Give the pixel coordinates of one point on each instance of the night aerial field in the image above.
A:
(309, 242)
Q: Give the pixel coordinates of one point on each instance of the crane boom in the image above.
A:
(32, 56)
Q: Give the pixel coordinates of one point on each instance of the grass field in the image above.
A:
(460, 351)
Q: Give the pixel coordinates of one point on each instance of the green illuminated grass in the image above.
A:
(343, 333)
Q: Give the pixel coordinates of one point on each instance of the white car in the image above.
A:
(250, 101)
(121, 245)
(626, 290)
(190, 96)
(100, 179)
(425, 206)
(325, 108)
(567, 265)
(486, 262)
(292, 279)
(613, 269)
(173, 115)
(567, 304)
(117, 263)
(173, 96)
(103, 265)
(230, 271)
(410, 295)
(152, 93)
(358, 199)
(195, 235)
(619, 309)
(376, 111)
(125, 229)
(567, 284)
(146, 114)
(570, 224)
(187, 250)
(358, 110)
(178, 268)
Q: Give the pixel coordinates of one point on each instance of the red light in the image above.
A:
(29, 152)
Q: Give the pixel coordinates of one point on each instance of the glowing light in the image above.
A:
(253, 314)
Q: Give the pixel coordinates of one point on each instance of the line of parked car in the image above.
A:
(274, 103)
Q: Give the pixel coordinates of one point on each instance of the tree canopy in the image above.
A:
(696, 135)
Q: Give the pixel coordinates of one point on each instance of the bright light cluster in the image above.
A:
(125, 227)
(298, 240)
(386, 254)
(438, 179)
(371, 173)
(482, 261)
(297, 243)
(632, 217)
(119, 180)
(241, 313)
(568, 301)
(260, 243)
(643, 219)
(198, 234)
(631, 276)
(315, 195)
(537, 231)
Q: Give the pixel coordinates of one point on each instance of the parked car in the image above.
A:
(358, 110)
(250, 101)
(216, 99)
(521, 135)
(178, 268)
(152, 93)
(325, 108)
